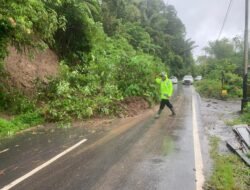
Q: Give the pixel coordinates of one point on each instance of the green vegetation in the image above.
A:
(245, 117)
(109, 50)
(221, 68)
(14, 102)
(97, 88)
(27, 22)
(209, 88)
(248, 155)
(19, 122)
(229, 171)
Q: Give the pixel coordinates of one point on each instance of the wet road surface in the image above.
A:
(139, 153)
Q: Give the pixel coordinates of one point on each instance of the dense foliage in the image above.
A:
(221, 68)
(109, 50)
(27, 22)
(20, 122)
(153, 27)
(114, 71)
(245, 117)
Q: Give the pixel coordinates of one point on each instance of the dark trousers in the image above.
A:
(167, 103)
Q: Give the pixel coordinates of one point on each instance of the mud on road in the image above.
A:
(215, 116)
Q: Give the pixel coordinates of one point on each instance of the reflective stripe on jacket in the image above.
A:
(166, 87)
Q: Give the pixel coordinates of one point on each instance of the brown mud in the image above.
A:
(215, 115)
(25, 68)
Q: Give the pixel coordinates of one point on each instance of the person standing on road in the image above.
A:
(166, 91)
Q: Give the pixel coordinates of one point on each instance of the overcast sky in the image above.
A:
(203, 19)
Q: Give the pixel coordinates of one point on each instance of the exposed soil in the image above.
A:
(26, 67)
(5, 116)
(133, 106)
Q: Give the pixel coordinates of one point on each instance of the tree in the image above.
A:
(220, 49)
(27, 23)
(224, 56)
(75, 40)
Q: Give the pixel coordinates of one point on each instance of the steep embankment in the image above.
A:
(25, 68)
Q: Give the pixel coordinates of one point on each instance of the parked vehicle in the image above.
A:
(198, 78)
(174, 79)
(187, 80)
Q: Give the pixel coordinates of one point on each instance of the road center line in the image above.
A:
(197, 151)
(14, 183)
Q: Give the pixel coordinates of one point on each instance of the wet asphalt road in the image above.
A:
(138, 153)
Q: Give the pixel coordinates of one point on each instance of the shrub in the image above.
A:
(6, 127)
(15, 102)
(115, 70)
(233, 84)
(20, 122)
(29, 118)
(136, 77)
(212, 88)
(209, 88)
(245, 117)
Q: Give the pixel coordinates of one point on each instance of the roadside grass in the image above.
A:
(242, 119)
(233, 122)
(229, 171)
(245, 117)
(20, 122)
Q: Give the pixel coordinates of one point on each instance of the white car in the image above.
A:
(198, 77)
(174, 79)
(188, 80)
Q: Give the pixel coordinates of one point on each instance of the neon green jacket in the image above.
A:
(166, 87)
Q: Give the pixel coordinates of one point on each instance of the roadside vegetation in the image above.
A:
(245, 117)
(229, 172)
(109, 51)
(20, 122)
(221, 69)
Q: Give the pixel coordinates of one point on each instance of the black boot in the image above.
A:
(173, 111)
(158, 114)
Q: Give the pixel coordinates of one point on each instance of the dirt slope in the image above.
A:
(24, 68)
